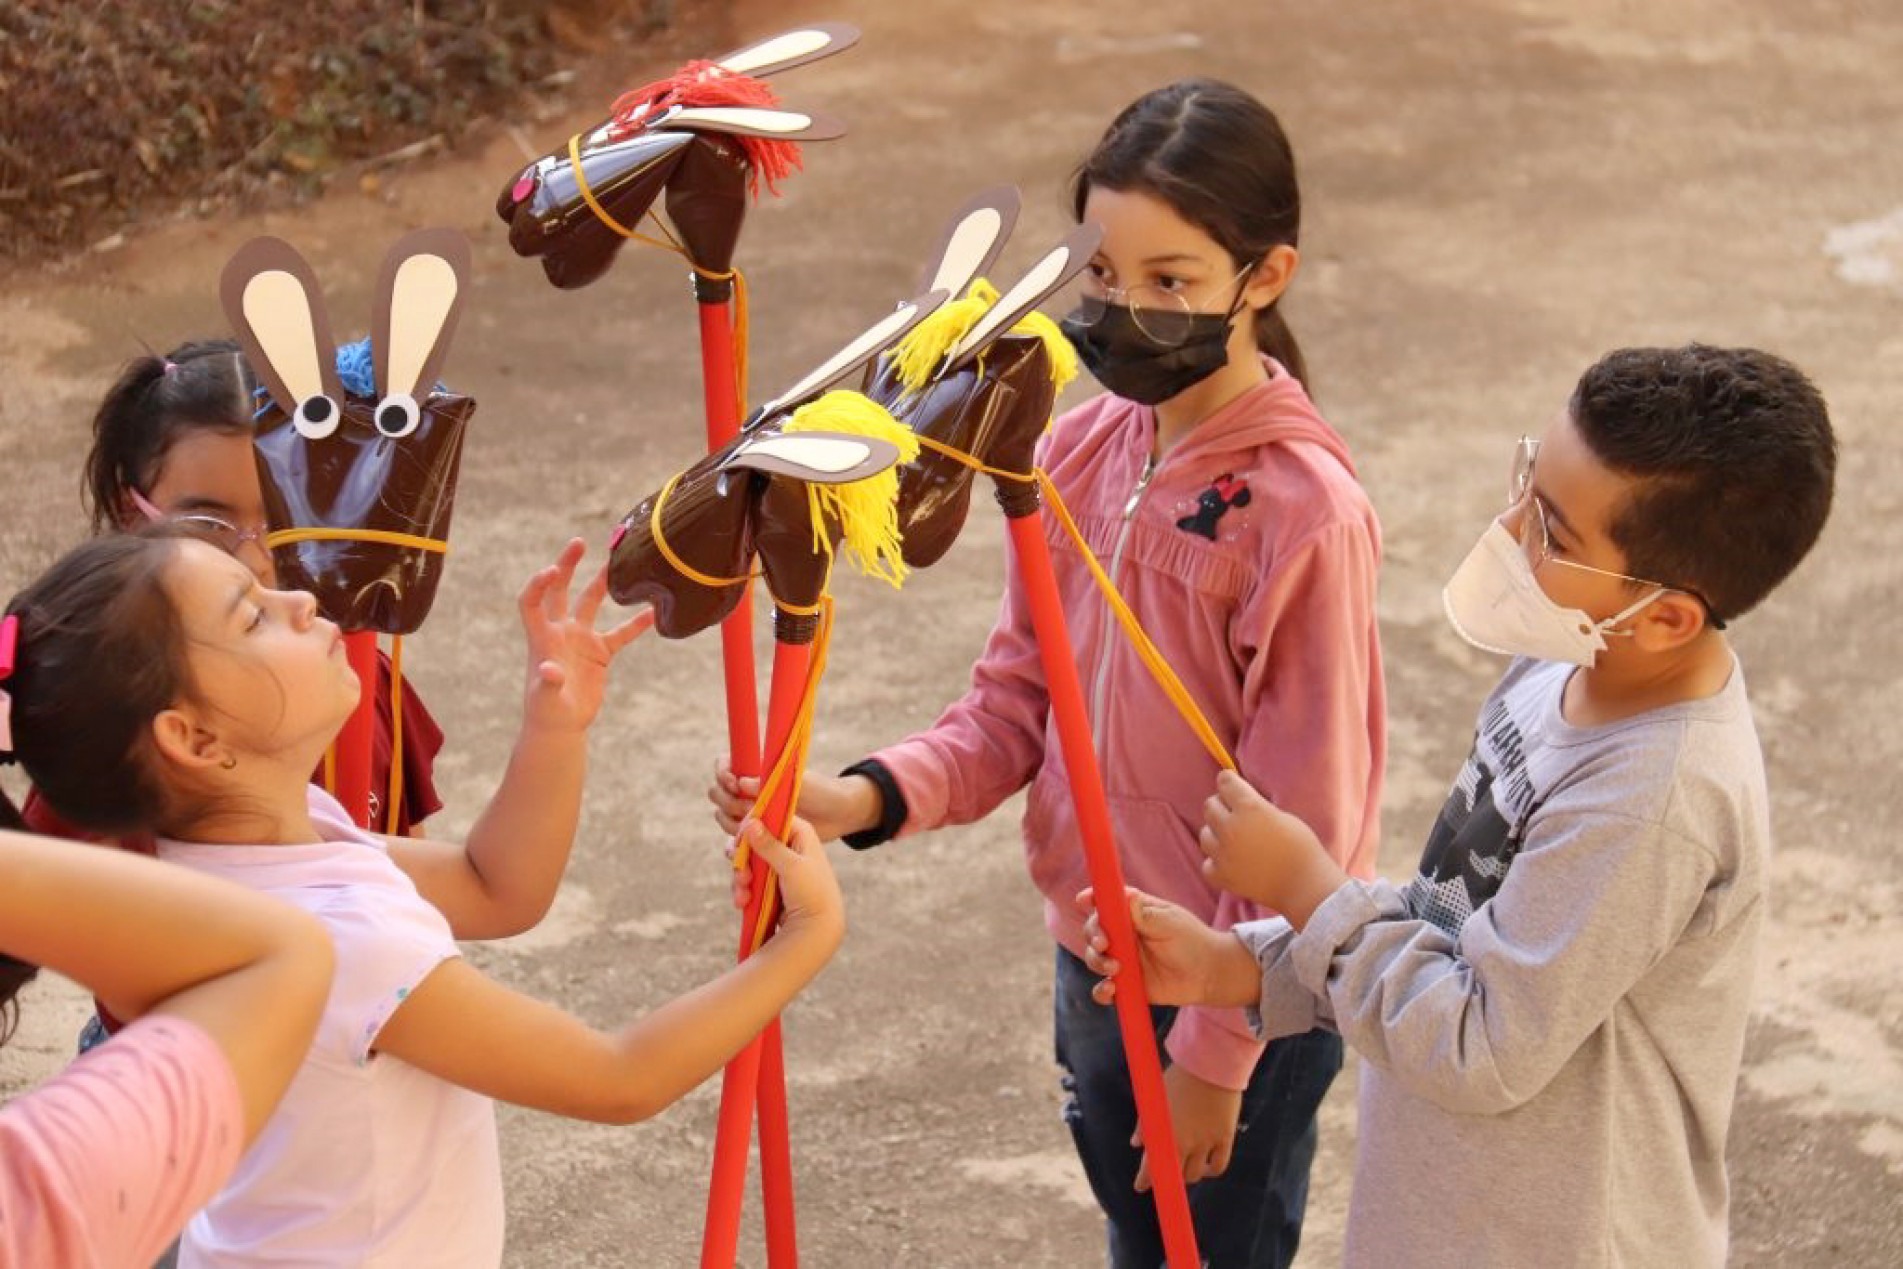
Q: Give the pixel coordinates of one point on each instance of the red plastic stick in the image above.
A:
(1106, 876)
(776, 1154)
(355, 742)
(739, 1084)
(722, 401)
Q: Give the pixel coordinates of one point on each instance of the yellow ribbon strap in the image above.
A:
(594, 204)
(1133, 630)
(681, 566)
(671, 244)
(1152, 659)
(971, 461)
(791, 764)
(396, 734)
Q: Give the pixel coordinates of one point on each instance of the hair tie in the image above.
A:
(9, 647)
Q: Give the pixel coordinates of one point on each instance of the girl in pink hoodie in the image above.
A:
(1228, 514)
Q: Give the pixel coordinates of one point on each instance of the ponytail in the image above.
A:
(1273, 337)
(204, 385)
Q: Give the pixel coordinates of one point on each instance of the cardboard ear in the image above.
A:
(1055, 268)
(868, 344)
(972, 240)
(790, 48)
(752, 121)
(818, 458)
(420, 293)
(276, 309)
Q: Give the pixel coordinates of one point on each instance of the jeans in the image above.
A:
(1249, 1216)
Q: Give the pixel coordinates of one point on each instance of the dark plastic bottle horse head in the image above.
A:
(689, 547)
(706, 136)
(984, 385)
(358, 486)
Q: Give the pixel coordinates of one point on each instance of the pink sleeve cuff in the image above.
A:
(1214, 1045)
(920, 775)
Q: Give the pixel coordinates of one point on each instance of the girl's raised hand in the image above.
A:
(568, 657)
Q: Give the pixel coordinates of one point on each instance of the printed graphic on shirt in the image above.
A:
(1479, 829)
(1213, 504)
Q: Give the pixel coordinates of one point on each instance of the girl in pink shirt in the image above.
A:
(159, 685)
(1228, 513)
(103, 1164)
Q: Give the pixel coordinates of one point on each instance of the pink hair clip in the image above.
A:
(171, 368)
(9, 647)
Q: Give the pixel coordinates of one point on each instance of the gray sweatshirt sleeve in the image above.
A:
(1481, 1023)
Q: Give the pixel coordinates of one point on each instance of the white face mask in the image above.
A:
(1496, 604)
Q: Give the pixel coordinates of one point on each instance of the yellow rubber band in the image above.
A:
(389, 537)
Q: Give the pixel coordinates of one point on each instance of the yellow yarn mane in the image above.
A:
(917, 357)
(866, 511)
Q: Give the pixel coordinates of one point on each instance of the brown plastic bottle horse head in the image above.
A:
(707, 135)
(988, 394)
(358, 486)
(750, 500)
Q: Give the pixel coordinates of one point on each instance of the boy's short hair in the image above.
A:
(1732, 460)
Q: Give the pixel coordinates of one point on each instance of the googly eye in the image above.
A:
(316, 417)
(398, 414)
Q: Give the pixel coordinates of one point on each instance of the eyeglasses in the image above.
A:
(1538, 544)
(1162, 315)
(216, 530)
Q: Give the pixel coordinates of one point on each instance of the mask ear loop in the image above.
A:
(1626, 614)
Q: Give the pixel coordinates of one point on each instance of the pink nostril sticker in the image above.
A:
(524, 186)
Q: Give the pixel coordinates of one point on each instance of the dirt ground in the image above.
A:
(1497, 192)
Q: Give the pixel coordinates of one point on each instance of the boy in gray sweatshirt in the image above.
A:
(1552, 1012)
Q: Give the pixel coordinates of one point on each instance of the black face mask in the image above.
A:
(1128, 362)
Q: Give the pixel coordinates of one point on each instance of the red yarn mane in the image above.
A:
(705, 83)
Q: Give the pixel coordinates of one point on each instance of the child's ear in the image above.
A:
(182, 741)
(1272, 276)
(1670, 621)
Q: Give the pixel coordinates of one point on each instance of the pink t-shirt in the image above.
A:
(103, 1164)
(368, 1161)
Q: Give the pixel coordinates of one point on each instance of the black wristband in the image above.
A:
(892, 810)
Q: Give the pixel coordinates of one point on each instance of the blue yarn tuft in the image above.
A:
(356, 370)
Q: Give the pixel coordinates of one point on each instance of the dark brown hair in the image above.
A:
(101, 653)
(1732, 462)
(201, 386)
(1220, 160)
